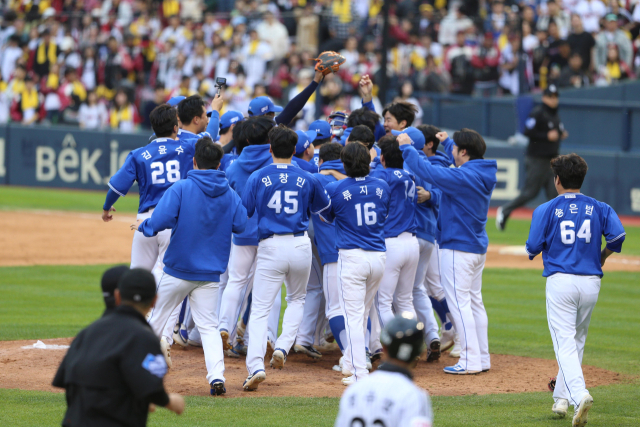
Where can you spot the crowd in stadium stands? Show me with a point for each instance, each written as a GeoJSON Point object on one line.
{"type": "Point", "coordinates": [107, 64]}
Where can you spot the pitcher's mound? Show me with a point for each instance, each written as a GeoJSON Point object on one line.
{"type": "Point", "coordinates": [33, 369]}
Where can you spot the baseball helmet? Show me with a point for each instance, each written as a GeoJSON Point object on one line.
{"type": "Point", "coordinates": [338, 122]}
{"type": "Point", "coordinates": [403, 337]}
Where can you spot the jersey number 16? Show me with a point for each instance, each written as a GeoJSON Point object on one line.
{"type": "Point", "coordinates": [568, 234]}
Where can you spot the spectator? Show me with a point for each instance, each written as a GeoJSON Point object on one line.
{"type": "Point", "coordinates": [28, 103]}
{"type": "Point", "coordinates": [274, 33]}
{"type": "Point", "coordinates": [615, 69]}
{"type": "Point", "coordinates": [498, 18]}
{"type": "Point", "coordinates": [485, 61]}
{"type": "Point", "coordinates": [406, 95]}
{"type": "Point", "coordinates": [45, 54]}
{"type": "Point", "coordinates": [10, 55]}
{"type": "Point", "coordinates": [254, 57]}
{"type": "Point", "coordinates": [573, 75]}
{"type": "Point", "coordinates": [612, 35]}
{"type": "Point", "coordinates": [458, 64]}
{"type": "Point", "coordinates": [434, 78]}
{"type": "Point", "coordinates": [452, 24]}
{"type": "Point", "coordinates": [591, 11]}
{"type": "Point", "coordinates": [557, 15]}
{"type": "Point", "coordinates": [529, 40]}
{"type": "Point", "coordinates": [351, 54]}
{"type": "Point", "coordinates": [581, 42]}
{"type": "Point", "coordinates": [123, 116]}
{"type": "Point", "coordinates": [72, 91]}
{"type": "Point", "coordinates": [49, 86]}
{"type": "Point", "coordinates": [92, 114]}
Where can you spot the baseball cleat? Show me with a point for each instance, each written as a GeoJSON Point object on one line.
{"type": "Point", "coordinates": [501, 220]}
{"type": "Point", "coordinates": [194, 343]}
{"type": "Point", "coordinates": [180, 335]}
{"type": "Point", "coordinates": [224, 334]}
{"type": "Point", "coordinates": [241, 349]}
{"type": "Point", "coordinates": [458, 370]}
{"type": "Point", "coordinates": [240, 328]}
{"type": "Point", "coordinates": [231, 353]}
{"type": "Point", "coordinates": [448, 336]}
{"type": "Point", "coordinates": [308, 350]}
{"type": "Point", "coordinates": [278, 358]}
{"type": "Point", "coordinates": [369, 364]}
{"type": "Point", "coordinates": [252, 381]}
{"type": "Point", "coordinates": [377, 355]}
{"type": "Point", "coordinates": [433, 351]}
{"type": "Point", "coordinates": [455, 351]}
{"type": "Point", "coordinates": [217, 388]}
{"type": "Point", "coordinates": [349, 380]}
{"type": "Point", "coordinates": [166, 351]}
{"type": "Point", "coordinates": [328, 337]}
{"type": "Point", "coordinates": [580, 416]}
{"type": "Point", "coordinates": [326, 346]}
{"type": "Point", "coordinates": [560, 407]}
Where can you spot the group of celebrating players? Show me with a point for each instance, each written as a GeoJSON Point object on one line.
{"type": "Point", "coordinates": [359, 220]}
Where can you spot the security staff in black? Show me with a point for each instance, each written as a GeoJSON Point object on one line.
{"type": "Point", "coordinates": [545, 131]}
{"type": "Point", "coordinates": [114, 368]}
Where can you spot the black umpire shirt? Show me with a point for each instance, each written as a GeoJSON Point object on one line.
{"type": "Point", "coordinates": [541, 120]}
{"type": "Point", "coordinates": [112, 371]}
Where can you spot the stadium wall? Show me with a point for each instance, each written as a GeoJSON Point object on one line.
{"type": "Point", "coordinates": [60, 157]}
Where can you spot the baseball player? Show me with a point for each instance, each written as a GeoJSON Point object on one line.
{"type": "Point", "coordinates": [466, 191]}
{"type": "Point", "coordinates": [360, 204]}
{"type": "Point", "coordinates": [405, 252]}
{"type": "Point", "coordinates": [155, 167]}
{"type": "Point", "coordinates": [323, 128]}
{"type": "Point", "coordinates": [567, 230]}
{"type": "Point", "coordinates": [201, 212]}
{"type": "Point", "coordinates": [305, 150]}
{"type": "Point", "coordinates": [228, 122]}
{"type": "Point", "coordinates": [281, 196]}
{"type": "Point", "coordinates": [338, 122]}
{"type": "Point", "coordinates": [388, 397]}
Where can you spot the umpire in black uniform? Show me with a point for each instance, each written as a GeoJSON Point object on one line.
{"type": "Point", "coordinates": [114, 368]}
{"type": "Point", "coordinates": [545, 131]}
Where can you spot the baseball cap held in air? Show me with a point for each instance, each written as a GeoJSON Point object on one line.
{"type": "Point", "coordinates": [262, 105]}
{"type": "Point", "coordinates": [417, 137]}
{"type": "Point", "coordinates": [304, 140]}
{"type": "Point", "coordinates": [229, 118]}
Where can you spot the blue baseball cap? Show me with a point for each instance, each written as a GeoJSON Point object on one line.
{"type": "Point", "coordinates": [176, 100]}
{"type": "Point", "coordinates": [322, 127]}
{"type": "Point", "coordinates": [262, 105]}
{"type": "Point", "coordinates": [417, 137]}
{"type": "Point", "coordinates": [229, 118]}
{"type": "Point", "coordinates": [304, 140]}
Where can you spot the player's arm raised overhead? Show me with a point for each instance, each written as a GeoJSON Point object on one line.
{"type": "Point", "coordinates": [213, 127]}
{"type": "Point", "coordinates": [165, 215]}
{"type": "Point", "coordinates": [297, 103]}
{"type": "Point", "coordinates": [119, 186]}
{"type": "Point", "coordinates": [447, 145]}
{"type": "Point", "coordinates": [366, 90]}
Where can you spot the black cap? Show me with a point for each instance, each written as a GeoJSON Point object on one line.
{"type": "Point", "coordinates": [137, 285]}
{"type": "Point", "coordinates": [110, 280]}
{"type": "Point", "coordinates": [403, 337]}
{"type": "Point", "coordinates": [551, 90]}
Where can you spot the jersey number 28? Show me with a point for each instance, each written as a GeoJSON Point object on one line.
{"type": "Point", "coordinates": [173, 172]}
{"type": "Point", "coordinates": [568, 234]}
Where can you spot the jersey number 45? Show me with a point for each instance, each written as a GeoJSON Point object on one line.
{"type": "Point", "coordinates": [289, 197]}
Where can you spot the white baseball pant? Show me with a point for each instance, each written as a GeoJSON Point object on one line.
{"type": "Point", "coordinates": [203, 298]}
{"type": "Point", "coordinates": [192, 330]}
{"type": "Point", "coordinates": [396, 285]}
{"type": "Point", "coordinates": [461, 275]}
{"type": "Point", "coordinates": [312, 305]}
{"type": "Point", "coordinates": [331, 290]}
{"type": "Point", "coordinates": [359, 275]}
{"type": "Point", "coordinates": [148, 252]}
{"type": "Point", "coordinates": [421, 302]}
{"type": "Point", "coordinates": [280, 258]}
{"type": "Point", "coordinates": [241, 271]}
{"type": "Point", "coordinates": [432, 278]}
{"type": "Point", "coordinates": [570, 302]}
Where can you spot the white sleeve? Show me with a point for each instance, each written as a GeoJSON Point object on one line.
{"type": "Point", "coordinates": [416, 410]}
{"type": "Point", "coordinates": [344, 417]}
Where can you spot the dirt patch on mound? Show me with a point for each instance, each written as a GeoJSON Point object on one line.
{"type": "Point", "coordinates": [33, 369]}
{"type": "Point", "coordinates": [72, 238]}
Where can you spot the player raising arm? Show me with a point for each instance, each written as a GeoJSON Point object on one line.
{"type": "Point", "coordinates": [567, 231]}
{"type": "Point", "coordinates": [155, 167]}
{"type": "Point", "coordinates": [281, 195]}
{"type": "Point", "coordinates": [466, 191]}
{"type": "Point", "coordinates": [360, 204]}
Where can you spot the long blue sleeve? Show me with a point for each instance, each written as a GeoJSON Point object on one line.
{"type": "Point", "coordinates": [613, 230]}
{"type": "Point", "coordinates": [321, 203]}
{"type": "Point", "coordinates": [436, 196]}
{"type": "Point", "coordinates": [239, 218]}
{"type": "Point", "coordinates": [165, 215]}
{"type": "Point", "coordinates": [379, 131]}
{"type": "Point", "coordinates": [248, 196]}
{"type": "Point", "coordinates": [296, 105]}
{"type": "Point", "coordinates": [214, 125]}
{"type": "Point", "coordinates": [448, 144]}
{"type": "Point", "coordinates": [537, 232]}
{"type": "Point", "coordinates": [447, 179]}
{"type": "Point", "coordinates": [112, 198]}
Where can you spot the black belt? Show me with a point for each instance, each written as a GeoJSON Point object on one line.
{"type": "Point", "coordinates": [294, 235]}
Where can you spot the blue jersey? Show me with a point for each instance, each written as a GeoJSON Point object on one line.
{"type": "Point", "coordinates": [316, 158]}
{"type": "Point", "coordinates": [325, 233]}
{"type": "Point", "coordinates": [304, 165]}
{"type": "Point", "coordinates": [402, 207]}
{"type": "Point", "coordinates": [567, 231]}
{"type": "Point", "coordinates": [191, 138]}
{"type": "Point", "coordinates": [155, 167]}
{"type": "Point", "coordinates": [228, 159]}
{"type": "Point", "coordinates": [360, 206]}
{"type": "Point", "coordinates": [282, 195]}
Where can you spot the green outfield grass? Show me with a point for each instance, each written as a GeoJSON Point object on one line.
{"type": "Point", "coordinates": [48, 302]}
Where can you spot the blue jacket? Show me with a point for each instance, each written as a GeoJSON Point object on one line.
{"type": "Point", "coordinates": [325, 233]}
{"type": "Point", "coordinates": [466, 192]}
{"type": "Point", "coordinates": [252, 158]}
{"type": "Point", "coordinates": [201, 212]}
{"type": "Point", "coordinates": [310, 167]}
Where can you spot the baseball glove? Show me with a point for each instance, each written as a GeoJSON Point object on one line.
{"type": "Point", "coordinates": [329, 62]}
{"type": "Point", "coordinates": [552, 384]}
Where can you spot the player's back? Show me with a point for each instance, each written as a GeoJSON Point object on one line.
{"type": "Point", "coordinates": [155, 167]}
{"type": "Point", "coordinates": [403, 203]}
{"type": "Point", "coordinates": [325, 233]}
{"type": "Point", "coordinates": [282, 196]}
{"type": "Point", "coordinates": [384, 398]}
{"type": "Point", "coordinates": [360, 206]}
{"type": "Point", "coordinates": [568, 231]}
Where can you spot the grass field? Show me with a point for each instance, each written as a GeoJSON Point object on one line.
{"type": "Point", "coordinates": [57, 301]}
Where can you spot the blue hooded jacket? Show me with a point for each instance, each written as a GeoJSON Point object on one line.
{"type": "Point", "coordinates": [201, 212]}
{"type": "Point", "coordinates": [466, 192]}
{"type": "Point", "coordinates": [252, 158]}
{"type": "Point", "coordinates": [325, 233]}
